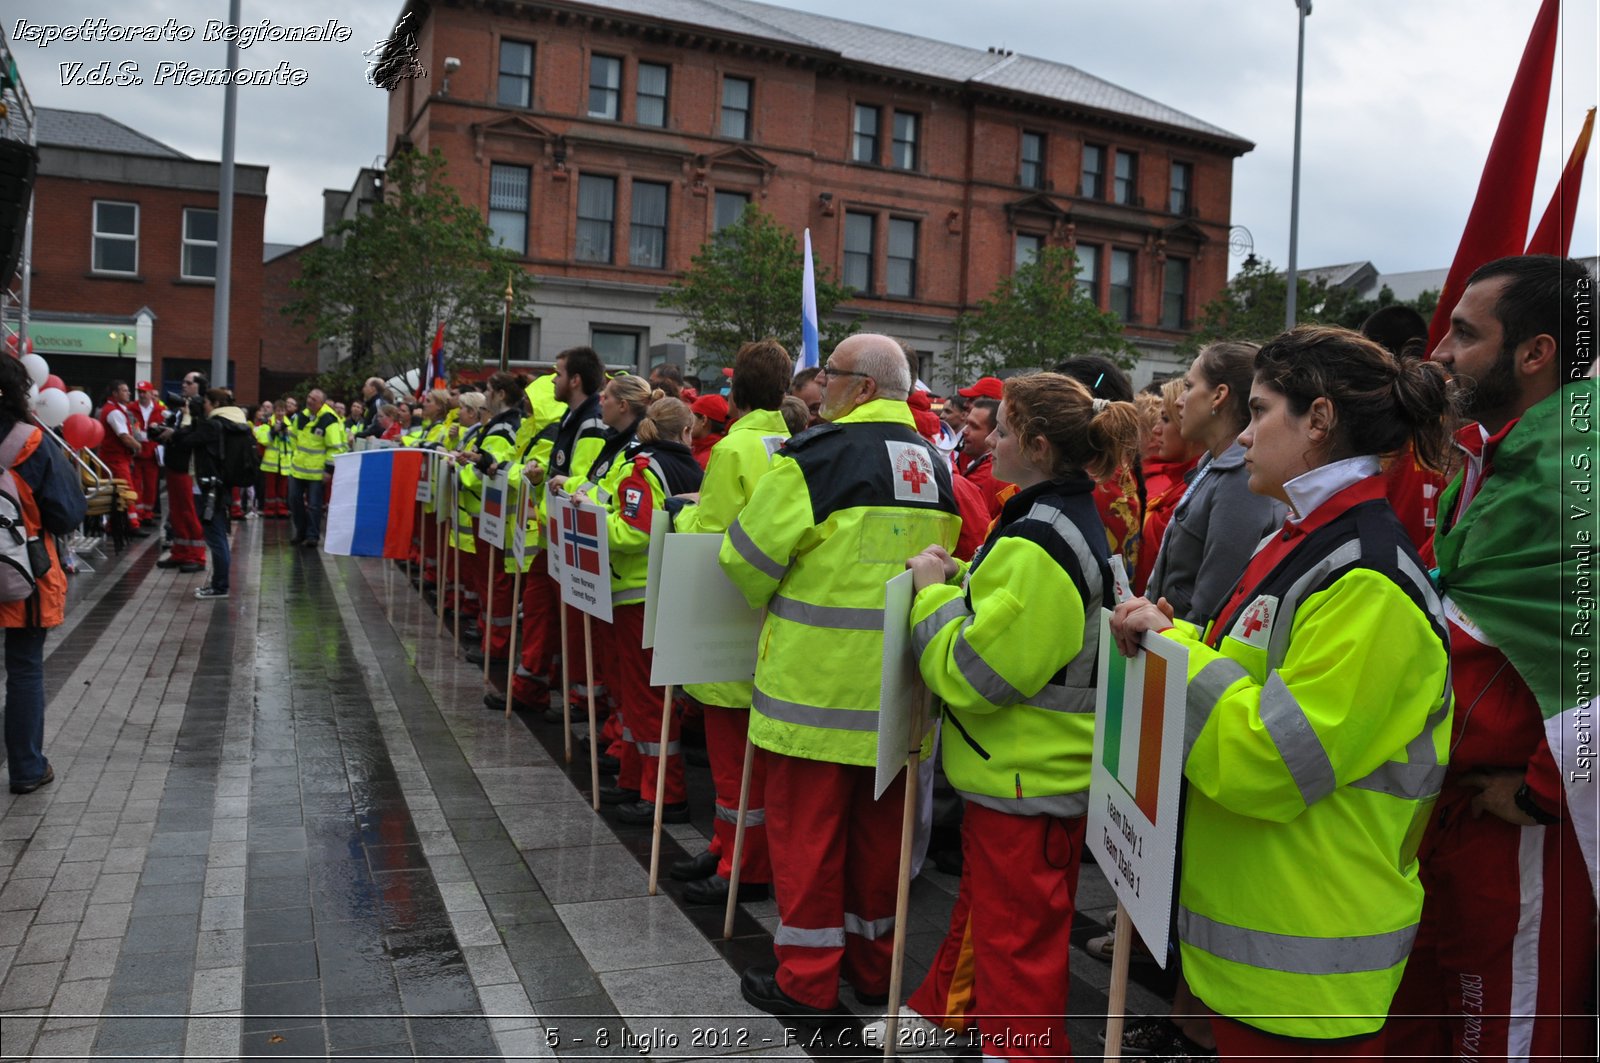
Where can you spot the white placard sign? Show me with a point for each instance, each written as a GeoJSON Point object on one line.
{"type": "Point", "coordinates": [585, 559]}
{"type": "Point", "coordinates": [444, 495]}
{"type": "Point", "coordinates": [519, 536]}
{"type": "Point", "coordinates": [425, 482]}
{"type": "Point", "coordinates": [554, 503]}
{"type": "Point", "coordinates": [1136, 776]}
{"type": "Point", "coordinates": [660, 525]}
{"type": "Point", "coordinates": [902, 687]}
{"type": "Point", "coordinates": [705, 630]}
{"type": "Point", "coordinates": [492, 512]}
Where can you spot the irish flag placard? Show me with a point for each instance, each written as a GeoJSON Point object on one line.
{"type": "Point", "coordinates": [1136, 776]}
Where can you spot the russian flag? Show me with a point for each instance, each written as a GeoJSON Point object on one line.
{"type": "Point", "coordinates": [374, 502]}
{"type": "Point", "coordinates": [493, 503]}
{"type": "Point", "coordinates": [810, 356]}
{"type": "Point", "coordinates": [436, 359]}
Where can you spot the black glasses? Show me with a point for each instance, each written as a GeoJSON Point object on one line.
{"type": "Point", "coordinates": [830, 371]}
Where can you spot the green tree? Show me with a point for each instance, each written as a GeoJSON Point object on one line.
{"type": "Point", "coordinates": [1253, 304]}
{"type": "Point", "coordinates": [745, 284]}
{"type": "Point", "coordinates": [388, 277]}
{"type": "Point", "coordinates": [1036, 318]}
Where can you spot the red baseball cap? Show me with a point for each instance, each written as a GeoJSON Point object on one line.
{"type": "Point", "coordinates": [145, 385]}
{"type": "Point", "coordinates": [711, 407]}
{"type": "Point", "coordinates": [987, 387]}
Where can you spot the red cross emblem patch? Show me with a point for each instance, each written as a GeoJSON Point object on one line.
{"type": "Point", "coordinates": [1254, 626]}
{"type": "Point", "coordinates": [913, 473]}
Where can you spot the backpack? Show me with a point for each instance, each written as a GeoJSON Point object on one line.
{"type": "Point", "coordinates": [20, 546]}
{"type": "Point", "coordinates": [240, 462]}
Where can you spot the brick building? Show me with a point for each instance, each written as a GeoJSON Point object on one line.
{"type": "Point", "coordinates": [125, 257]}
{"type": "Point", "coordinates": [605, 141]}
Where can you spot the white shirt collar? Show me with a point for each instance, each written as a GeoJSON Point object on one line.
{"type": "Point", "coordinates": [1309, 490]}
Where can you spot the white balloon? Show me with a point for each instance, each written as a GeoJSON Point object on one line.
{"type": "Point", "coordinates": [37, 367]}
{"type": "Point", "coordinates": [79, 402]}
{"type": "Point", "coordinates": [52, 407]}
{"type": "Point", "coordinates": [33, 395]}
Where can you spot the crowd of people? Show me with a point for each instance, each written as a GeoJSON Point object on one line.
{"type": "Point", "coordinates": [1357, 546]}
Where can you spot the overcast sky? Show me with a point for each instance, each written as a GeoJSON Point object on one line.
{"type": "Point", "coordinates": [1402, 98]}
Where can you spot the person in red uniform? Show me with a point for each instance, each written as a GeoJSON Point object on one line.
{"type": "Point", "coordinates": [710, 425]}
{"type": "Point", "coordinates": [974, 460]}
{"type": "Point", "coordinates": [146, 413]}
{"type": "Point", "coordinates": [1165, 478]}
{"type": "Point", "coordinates": [1504, 963]}
{"type": "Point", "coordinates": [188, 539]}
{"type": "Point", "coordinates": [119, 447]}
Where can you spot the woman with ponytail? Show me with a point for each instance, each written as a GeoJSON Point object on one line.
{"type": "Point", "coordinates": [1318, 714]}
{"type": "Point", "coordinates": [635, 484]}
{"type": "Point", "coordinates": [1009, 643]}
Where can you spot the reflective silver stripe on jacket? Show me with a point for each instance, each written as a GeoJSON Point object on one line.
{"type": "Point", "coordinates": [747, 549]}
{"type": "Point", "coordinates": [1297, 741]}
{"type": "Point", "coordinates": [990, 684]}
{"type": "Point", "coordinates": [933, 623]}
{"type": "Point", "coordinates": [815, 716]}
{"type": "Point", "coordinates": [753, 817]}
{"type": "Point", "coordinates": [1289, 604]}
{"type": "Point", "coordinates": [1080, 670]}
{"type": "Point", "coordinates": [827, 937]}
{"type": "Point", "coordinates": [835, 616]}
{"type": "Point", "coordinates": [1064, 806]}
{"type": "Point", "coordinates": [1063, 699]}
{"type": "Point", "coordinates": [627, 596]}
{"type": "Point", "coordinates": [1421, 775]}
{"type": "Point", "coordinates": [1292, 953]}
{"type": "Point", "coordinates": [653, 749]}
{"type": "Point", "coordinates": [871, 929]}
{"type": "Point", "coordinates": [1205, 690]}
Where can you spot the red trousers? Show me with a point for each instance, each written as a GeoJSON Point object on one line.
{"type": "Point", "coordinates": [835, 882]}
{"type": "Point", "coordinates": [499, 607]}
{"type": "Point", "coordinates": [276, 501]}
{"type": "Point", "coordinates": [1010, 934]}
{"type": "Point", "coordinates": [188, 540]}
{"type": "Point", "coordinates": [1235, 1040]}
{"type": "Point", "coordinates": [726, 729]}
{"type": "Point", "coordinates": [147, 481]}
{"type": "Point", "coordinates": [1504, 962]}
{"type": "Point", "coordinates": [640, 704]}
{"type": "Point", "coordinates": [472, 577]}
{"type": "Point", "coordinates": [539, 653]}
{"type": "Point", "coordinates": [604, 659]}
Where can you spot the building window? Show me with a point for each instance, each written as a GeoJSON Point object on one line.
{"type": "Point", "coordinates": [647, 231]}
{"type": "Point", "coordinates": [858, 239]}
{"type": "Point", "coordinates": [1032, 173]}
{"type": "Point", "coordinates": [116, 237]}
{"type": "Point", "coordinates": [1093, 183]}
{"type": "Point", "coordinates": [1088, 257]}
{"type": "Point", "coordinates": [864, 146]}
{"type": "Point", "coordinates": [1027, 250]}
{"type": "Point", "coordinates": [650, 99]}
{"type": "Point", "coordinates": [522, 343]}
{"type": "Point", "coordinates": [597, 212]}
{"type": "Point", "coordinates": [902, 275]}
{"type": "Point", "coordinates": [616, 346]}
{"type": "Point", "coordinates": [1122, 283]}
{"type": "Point", "coordinates": [736, 108]}
{"type": "Point", "coordinates": [1182, 181]}
{"type": "Point", "coordinates": [1123, 190]}
{"type": "Point", "coordinates": [516, 74]}
{"type": "Point", "coordinates": [200, 244]}
{"type": "Point", "coordinates": [605, 86]}
{"type": "Point", "coordinates": [729, 208]}
{"type": "Point", "coordinates": [508, 206]}
{"type": "Point", "coordinates": [1175, 293]}
{"type": "Point", "coordinates": [903, 151]}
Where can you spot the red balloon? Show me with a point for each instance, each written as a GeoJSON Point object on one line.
{"type": "Point", "coordinates": [53, 381]}
{"type": "Point", "coordinates": [80, 430]}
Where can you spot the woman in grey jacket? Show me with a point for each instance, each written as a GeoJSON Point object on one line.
{"type": "Point", "coordinates": [1220, 522]}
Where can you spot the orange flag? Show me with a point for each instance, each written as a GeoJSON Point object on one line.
{"type": "Point", "coordinates": [1554, 234]}
{"type": "Point", "coordinates": [1498, 224]}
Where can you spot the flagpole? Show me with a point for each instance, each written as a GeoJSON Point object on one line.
{"type": "Point", "coordinates": [505, 328]}
{"type": "Point", "coordinates": [488, 612]}
{"type": "Point", "coordinates": [1117, 993]}
{"type": "Point", "coordinates": [902, 901]}
{"type": "Point", "coordinates": [738, 836]}
{"type": "Point", "coordinates": [661, 786]}
{"type": "Point", "coordinates": [566, 680]}
{"type": "Point", "coordinates": [516, 600]}
{"type": "Point", "coordinates": [594, 734]}
{"type": "Point", "coordinates": [1290, 309]}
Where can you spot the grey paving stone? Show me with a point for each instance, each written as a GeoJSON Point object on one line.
{"type": "Point", "coordinates": [94, 824]}
{"type": "Point", "coordinates": [30, 985]}
{"type": "Point", "coordinates": [222, 913]}
{"type": "Point", "coordinates": [64, 906]}
{"type": "Point", "coordinates": [219, 948]}
{"type": "Point", "coordinates": [64, 1043]}
{"type": "Point", "coordinates": [47, 942]}
{"type": "Point", "coordinates": [227, 852]}
{"type": "Point", "coordinates": [289, 962]}
{"type": "Point", "coordinates": [453, 1036]}
{"type": "Point", "coordinates": [94, 959]}
{"type": "Point", "coordinates": [277, 926]}
{"type": "Point", "coordinates": [180, 843]}
{"type": "Point", "coordinates": [213, 1037]}
{"type": "Point", "coordinates": [364, 1028]}
{"type": "Point", "coordinates": [153, 1036]}
{"type": "Point", "coordinates": [507, 1005]}
{"type": "Point", "coordinates": [282, 1006]}
{"type": "Point", "coordinates": [461, 897]}
{"type": "Point", "coordinates": [595, 872]}
{"type": "Point", "coordinates": [154, 973]}
{"type": "Point", "coordinates": [180, 898]}
{"type": "Point", "coordinates": [40, 863]}
{"type": "Point", "coordinates": [104, 920]}
{"type": "Point", "coordinates": [23, 893]}
{"type": "Point", "coordinates": [151, 934]}
{"type": "Point", "coordinates": [693, 992]}
{"type": "Point", "coordinates": [88, 848]}
{"type": "Point", "coordinates": [20, 1029]}
{"type": "Point", "coordinates": [14, 926]}
{"type": "Point", "coordinates": [113, 889]}
{"type": "Point", "coordinates": [78, 1004]}
{"type": "Point", "coordinates": [489, 964]}
{"type": "Point", "coordinates": [621, 934]}
{"type": "Point", "coordinates": [475, 928]}
{"type": "Point", "coordinates": [515, 909]}
{"type": "Point", "coordinates": [224, 881]}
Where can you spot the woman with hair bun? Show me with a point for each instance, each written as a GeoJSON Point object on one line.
{"type": "Point", "coordinates": [632, 486]}
{"type": "Point", "coordinates": [1009, 643]}
{"type": "Point", "coordinates": [1318, 714]}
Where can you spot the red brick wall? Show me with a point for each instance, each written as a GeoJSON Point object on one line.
{"type": "Point", "coordinates": [63, 279]}
{"type": "Point", "coordinates": [966, 174]}
{"type": "Point", "coordinates": [284, 346]}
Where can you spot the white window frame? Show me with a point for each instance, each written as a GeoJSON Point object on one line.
{"type": "Point", "coordinates": [96, 235]}
{"type": "Point", "coordinates": [187, 242]}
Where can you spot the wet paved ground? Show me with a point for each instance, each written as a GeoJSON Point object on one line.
{"type": "Point", "coordinates": [284, 825]}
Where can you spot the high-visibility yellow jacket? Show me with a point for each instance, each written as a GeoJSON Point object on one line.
{"type": "Point", "coordinates": [843, 507]}
{"type": "Point", "coordinates": [464, 529]}
{"type": "Point", "coordinates": [1319, 730]}
{"type": "Point", "coordinates": [534, 442]}
{"type": "Point", "coordinates": [632, 488]}
{"type": "Point", "coordinates": [270, 454]}
{"type": "Point", "coordinates": [494, 438]}
{"type": "Point", "coordinates": [317, 439]}
{"type": "Point", "coordinates": [1011, 646]}
{"type": "Point", "coordinates": [738, 460]}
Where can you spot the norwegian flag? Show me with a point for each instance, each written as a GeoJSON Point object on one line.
{"type": "Point", "coordinates": [580, 540]}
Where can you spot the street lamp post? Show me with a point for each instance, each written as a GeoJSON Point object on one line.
{"type": "Point", "coordinates": [1294, 184]}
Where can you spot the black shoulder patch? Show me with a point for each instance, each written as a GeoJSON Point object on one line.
{"type": "Point", "coordinates": [809, 436]}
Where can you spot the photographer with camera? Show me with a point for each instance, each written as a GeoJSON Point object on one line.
{"type": "Point", "coordinates": [218, 445]}
{"type": "Point", "coordinates": [188, 545]}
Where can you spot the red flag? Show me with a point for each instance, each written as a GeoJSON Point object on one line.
{"type": "Point", "coordinates": [1554, 234]}
{"type": "Point", "coordinates": [1498, 224]}
{"type": "Point", "coordinates": [436, 358]}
